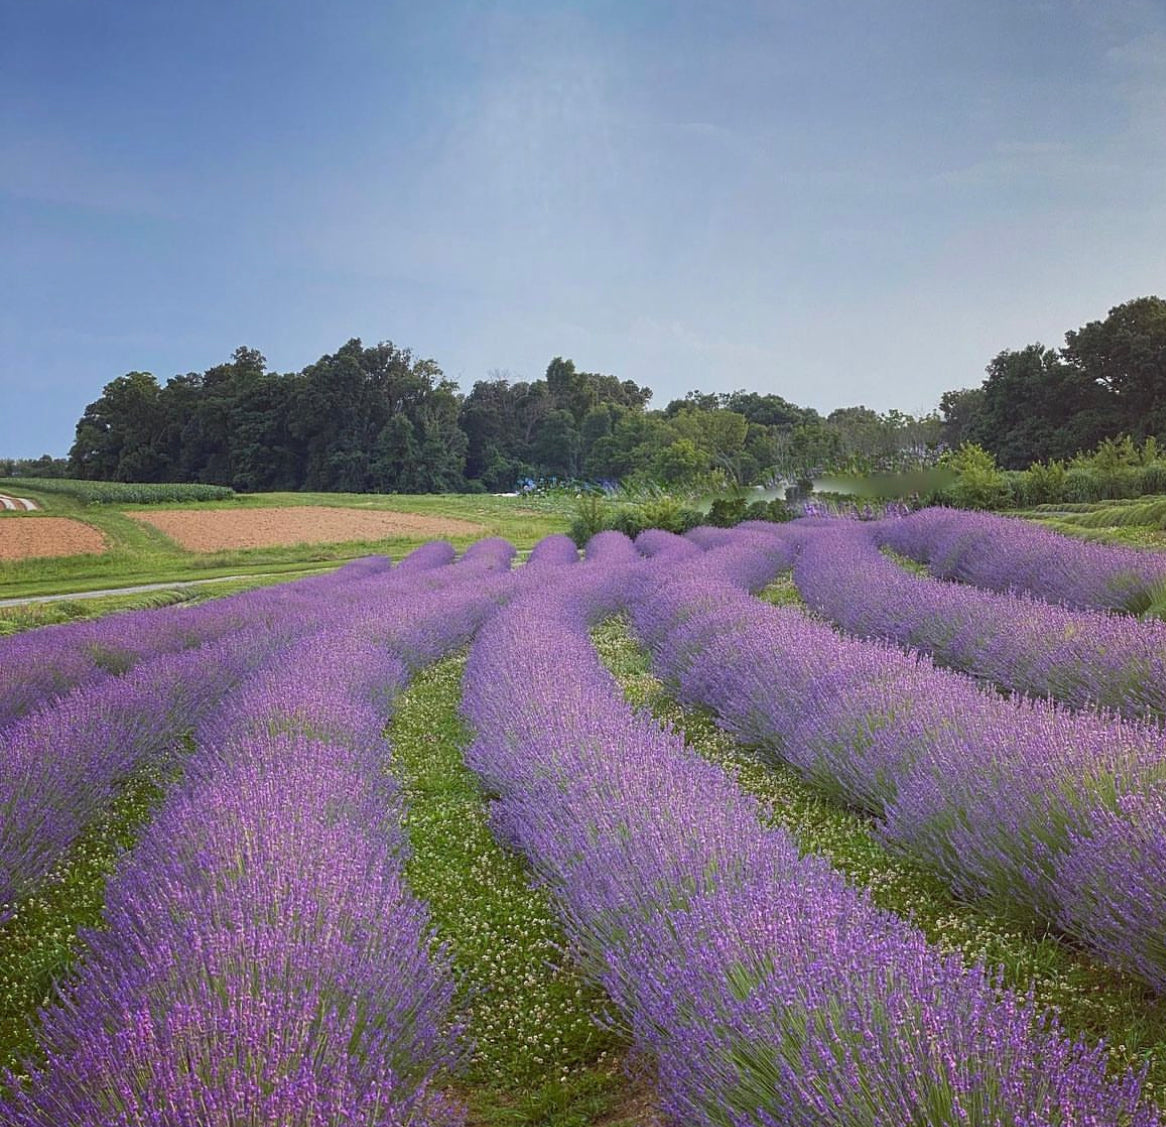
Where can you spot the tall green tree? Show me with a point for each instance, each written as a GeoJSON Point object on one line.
{"type": "Point", "coordinates": [118, 437]}
{"type": "Point", "coordinates": [1126, 356]}
{"type": "Point", "coordinates": [1036, 407]}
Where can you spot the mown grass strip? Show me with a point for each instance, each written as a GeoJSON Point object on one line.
{"type": "Point", "coordinates": [1092, 1000]}
{"type": "Point", "coordinates": [540, 1056]}
{"type": "Point", "coordinates": [39, 943]}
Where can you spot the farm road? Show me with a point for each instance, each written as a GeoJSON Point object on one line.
{"type": "Point", "coordinates": [122, 590]}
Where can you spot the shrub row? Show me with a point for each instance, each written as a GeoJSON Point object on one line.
{"type": "Point", "coordinates": [764, 987]}
{"type": "Point", "coordinates": [1083, 658]}
{"type": "Point", "coordinates": [121, 492]}
{"type": "Point", "coordinates": [1057, 817]}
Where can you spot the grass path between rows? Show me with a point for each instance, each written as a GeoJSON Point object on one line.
{"type": "Point", "coordinates": [1092, 1000]}
{"type": "Point", "coordinates": [541, 1055]}
{"type": "Point", "coordinates": [39, 943]}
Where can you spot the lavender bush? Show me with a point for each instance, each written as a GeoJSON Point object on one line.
{"type": "Point", "coordinates": [1083, 658]}
{"type": "Point", "coordinates": [996, 794]}
{"type": "Point", "coordinates": [41, 665]}
{"type": "Point", "coordinates": [1010, 554]}
{"type": "Point", "coordinates": [261, 961]}
{"type": "Point", "coordinates": [767, 990]}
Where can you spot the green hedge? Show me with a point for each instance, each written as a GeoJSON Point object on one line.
{"type": "Point", "coordinates": [118, 492]}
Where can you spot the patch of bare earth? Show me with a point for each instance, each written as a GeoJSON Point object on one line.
{"type": "Point", "coordinates": [211, 530]}
{"type": "Point", "coordinates": [23, 538]}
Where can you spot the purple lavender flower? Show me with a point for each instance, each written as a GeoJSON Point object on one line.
{"type": "Point", "coordinates": [766, 989]}
{"type": "Point", "coordinates": [1010, 554]}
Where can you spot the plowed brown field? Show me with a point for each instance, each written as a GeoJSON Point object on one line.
{"type": "Point", "coordinates": [210, 530]}
{"type": "Point", "coordinates": [23, 538]}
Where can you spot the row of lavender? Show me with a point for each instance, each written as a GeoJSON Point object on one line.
{"type": "Point", "coordinates": [796, 990]}
{"type": "Point", "coordinates": [261, 960]}
{"type": "Point", "coordinates": [62, 761]}
{"type": "Point", "coordinates": [1009, 554]}
{"type": "Point", "coordinates": [41, 665]}
{"type": "Point", "coordinates": [767, 990]}
{"type": "Point", "coordinates": [1083, 658]}
{"type": "Point", "coordinates": [1058, 815]}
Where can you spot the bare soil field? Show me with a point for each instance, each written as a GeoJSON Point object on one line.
{"type": "Point", "coordinates": [213, 530]}
{"type": "Point", "coordinates": [28, 538]}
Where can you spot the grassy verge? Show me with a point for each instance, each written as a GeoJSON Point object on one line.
{"type": "Point", "coordinates": [540, 1057]}
{"type": "Point", "coordinates": [1091, 1000]}
{"type": "Point", "coordinates": [39, 943]}
{"type": "Point", "coordinates": [139, 553]}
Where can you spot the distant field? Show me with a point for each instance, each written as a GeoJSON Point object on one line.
{"type": "Point", "coordinates": [119, 492]}
{"type": "Point", "coordinates": [310, 524]}
{"type": "Point", "coordinates": [138, 551]}
{"type": "Point", "coordinates": [30, 537]}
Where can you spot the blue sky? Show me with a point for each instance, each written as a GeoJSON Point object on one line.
{"type": "Point", "coordinates": [841, 203]}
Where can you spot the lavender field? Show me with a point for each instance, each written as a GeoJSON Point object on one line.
{"type": "Point", "coordinates": [831, 822]}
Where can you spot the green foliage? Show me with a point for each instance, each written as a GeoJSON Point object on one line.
{"type": "Point", "coordinates": [593, 514]}
{"type": "Point", "coordinates": [44, 466]}
{"type": "Point", "coordinates": [1039, 404]}
{"type": "Point", "coordinates": [123, 493]}
{"type": "Point", "coordinates": [669, 513]}
{"type": "Point", "coordinates": [774, 510]}
{"type": "Point", "coordinates": [1041, 484]}
{"type": "Point", "coordinates": [1118, 469]}
{"type": "Point", "coordinates": [591, 518]}
{"type": "Point", "coordinates": [659, 509]}
{"type": "Point", "coordinates": [979, 483]}
{"type": "Point", "coordinates": [725, 512]}
{"type": "Point", "coordinates": [1126, 356]}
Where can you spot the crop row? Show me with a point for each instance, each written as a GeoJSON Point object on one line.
{"type": "Point", "coordinates": [41, 665]}
{"type": "Point", "coordinates": [764, 987]}
{"type": "Point", "coordinates": [1057, 816]}
{"type": "Point", "coordinates": [63, 760]}
{"type": "Point", "coordinates": [261, 959]}
{"type": "Point", "coordinates": [1080, 657]}
{"type": "Point", "coordinates": [121, 492]}
{"type": "Point", "coordinates": [1009, 554]}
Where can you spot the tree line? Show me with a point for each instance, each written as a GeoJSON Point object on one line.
{"type": "Point", "coordinates": [1041, 404]}
{"type": "Point", "coordinates": [379, 419]}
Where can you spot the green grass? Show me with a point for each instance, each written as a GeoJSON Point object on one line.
{"type": "Point", "coordinates": [540, 1056]}
{"type": "Point", "coordinates": [139, 553]}
{"type": "Point", "coordinates": [1091, 1000]}
{"type": "Point", "coordinates": [39, 944]}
